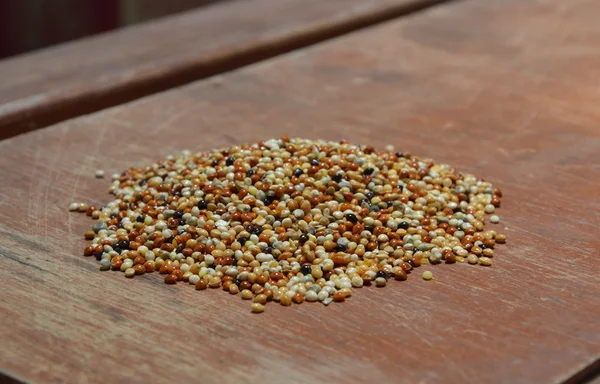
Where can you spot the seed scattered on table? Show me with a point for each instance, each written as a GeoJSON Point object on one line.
{"type": "Point", "coordinates": [495, 219]}
{"type": "Point", "coordinates": [99, 173]}
{"type": "Point", "coordinates": [292, 220]}
{"type": "Point", "coordinates": [74, 207]}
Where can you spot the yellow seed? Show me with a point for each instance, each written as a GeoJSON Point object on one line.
{"type": "Point", "coordinates": [257, 307]}
{"type": "Point", "coordinates": [261, 299]}
{"type": "Point", "coordinates": [486, 261]}
{"type": "Point", "coordinates": [247, 294]}
{"type": "Point", "coordinates": [427, 275]}
{"type": "Point", "coordinates": [285, 300]}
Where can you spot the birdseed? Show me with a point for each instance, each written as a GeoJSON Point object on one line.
{"type": "Point", "coordinates": [292, 220]}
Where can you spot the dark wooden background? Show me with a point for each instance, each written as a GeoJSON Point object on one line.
{"type": "Point", "coordinates": [26, 25]}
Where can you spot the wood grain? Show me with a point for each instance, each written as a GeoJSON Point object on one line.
{"type": "Point", "coordinates": [502, 88]}
{"type": "Point", "coordinates": [73, 79]}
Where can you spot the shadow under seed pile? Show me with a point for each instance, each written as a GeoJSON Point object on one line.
{"type": "Point", "coordinates": [292, 220]}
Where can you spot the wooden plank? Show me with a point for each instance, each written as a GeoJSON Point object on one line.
{"type": "Point", "coordinates": [73, 79]}
{"type": "Point", "coordinates": [502, 88]}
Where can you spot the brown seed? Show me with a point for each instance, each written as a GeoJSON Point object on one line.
{"type": "Point", "coordinates": [201, 284]}
{"type": "Point", "coordinates": [401, 274]}
{"type": "Point", "coordinates": [149, 266]}
{"type": "Point", "coordinates": [500, 238]}
{"type": "Point", "coordinates": [116, 265]}
{"type": "Point", "coordinates": [298, 298]}
{"type": "Point", "coordinates": [170, 279]}
{"type": "Point", "coordinates": [262, 278]}
{"type": "Point", "coordinates": [245, 285]}
{"type": "Point", "coordinates": [139, 269]}
{"type": "Point", "coordinates": [179, 274]}
{"type": "Point", "coordinates": [339, 297]}
{"type": "Point", "coordinates": [89, 235]}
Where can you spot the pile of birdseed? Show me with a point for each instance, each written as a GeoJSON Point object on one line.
{"type": "Point", "coordinates": [292, 220]}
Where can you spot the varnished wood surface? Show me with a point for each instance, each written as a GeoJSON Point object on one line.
{"type": "Point", "coordinates": [73, 79]}
{"type": "Point", "coordinates": [505, 89]}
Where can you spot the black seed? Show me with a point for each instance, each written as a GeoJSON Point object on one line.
{"type": "Point", "coordinates": [202, 204]}
{"type": "Point", "coordinates": [229, 161]}
{"type": "Point", "coordinates": [181, 222]}
{"type": "Point", "coordinates": [181, 231]}
{"type": "Point", "coordinates": [399, 154]}
{"type": "Point", "coordinates": [305, 269]}
{"type": "Point", "coordinates": [339, 248]}
{"type": "Point", "coordinates": [303, 238]}
{"type": "Point", "coordinates": [351, 217]}
{"type": "Point", "coordinates": [257, 230]}
{"type": "Point", "coordinates": [403, 225]}
{"type": "Point", "coordinates": [269, 200]}
{"type": "Point", "coordinates": [215, 163]}
{"type": "Point", "coordinates": [249, 228]}
{"type": "Point", "coordinates": [268, 250]}
{"type": "Point", "coordinates": [298, 172]}
{"type": "Point", "coordinates": [249, 173]}
{"type": "Point", "coordinates": [369, 228]}
{"type": "Point", "coordinates": [381, 274]}
{"type": "Point", "coordinates": [234, 261]}
{"type": "Point", "coordinates": [99, 255]}
{"type": "Point", "coordinates": [411, 262]}
{"type": "Point", "coordinates": [401, 188]}
{"type": "Point", "coordinates": [123, 244]}
{"type": "Point", "coordinates": [242, 240]}
{"type": "Point", "coordinates": [143, 182]}
{"type": "Point", "coordinates": [179, 248]}
{"type": "Point", "coordinates": [337, 177]}
{"type": "Point", "coordinates": [314, 162]}
{"type": "Point", "coordinates": [139, 219]}
{"type": "Point", "coordinates": [113, 215]}
{"type": "Point", "coordinates": [178, 214]}
{"type": "Point", "coordinates": [369, 195]}
{"type": "Point", "coordinates": [482, 246]}
{"type": "Point", "coordinates": [237, 281]}
{"type": "Point", "coordinates": [368, 171]}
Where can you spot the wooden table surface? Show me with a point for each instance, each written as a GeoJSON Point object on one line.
{"type": "Point", "coordinates": [504, 89]}
{"type": "Point", "coordinates": [54, 84]}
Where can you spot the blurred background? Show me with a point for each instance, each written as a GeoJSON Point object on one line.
{"type": "Point", "coordinates": [26, 25]}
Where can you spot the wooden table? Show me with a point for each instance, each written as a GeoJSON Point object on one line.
{"type": "Point", "coordinates": [505, 89]}
{"type": "Point", "coordinates": [51, 85]}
